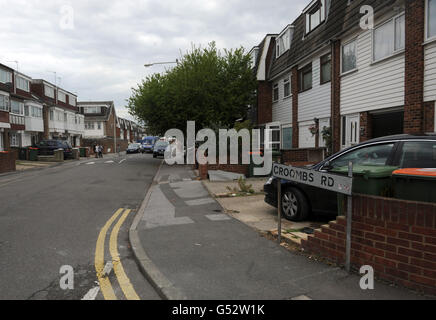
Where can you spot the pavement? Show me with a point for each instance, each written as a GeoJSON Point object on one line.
{"type": "Point", "coordinates": [63, 216]}
{"type": "Point", "coordinates": [189, 248]}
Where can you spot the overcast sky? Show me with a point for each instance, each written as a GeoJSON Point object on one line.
{"type": "Point", "coordinates": [98, 48]}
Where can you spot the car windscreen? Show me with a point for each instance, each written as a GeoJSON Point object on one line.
{"type": "Point", "coordinates": [134, 145]}
{"type": "Point", "coordinates": [161, 144]}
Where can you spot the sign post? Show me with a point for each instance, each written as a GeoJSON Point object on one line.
{"type": "Point", "coordinates": [336, 183]}
{"type": "Point", "coordinates": [279, 210]}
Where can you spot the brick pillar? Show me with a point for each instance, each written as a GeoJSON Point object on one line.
{"type": "Point", "coordinates": [294, 88]}
{"type": "Point", "coordinates": [46, 117]}
{"type": "Point", "coordinates": [365, 126]}
{"type": "Point", "coordinates": [414, 75]}
{"type": "Point", "coordinates": [264, 102]}
{"type": "Point", "coordinates": [336, 96]}
{"type": "Point", "coordinates": [317, 134]}
{"type": "Point", "coordinates": [6, 140]}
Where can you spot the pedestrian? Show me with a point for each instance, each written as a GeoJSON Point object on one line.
{"type": "Point", "coordinates": [96, 150]}
{"type": "Point", "coordinates": [100, 151]}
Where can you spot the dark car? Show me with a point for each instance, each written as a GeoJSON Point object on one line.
{"type": "Point", "coordinates": [159, 148]}
{"type": "Point", "coordinates": [404, 151]}
{"type": "Point", "coordinates": [47, 148]}
{"type": "Point", "coordinates": [134, 148]}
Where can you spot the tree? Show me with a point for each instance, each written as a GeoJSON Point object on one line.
{"type": "Point", "coordinates": [206, 86]}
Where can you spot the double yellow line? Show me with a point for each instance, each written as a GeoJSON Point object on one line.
{"type": "Point", "coordinates": [123, 280]}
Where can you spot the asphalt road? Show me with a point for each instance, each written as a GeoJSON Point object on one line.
{"type": "Point", "coordinates": [53, 217]}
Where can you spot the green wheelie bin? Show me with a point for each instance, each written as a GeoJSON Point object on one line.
{"type": "Point", "coordinates": [33, 154]}
{"type": "Point", "coordinates": [415, 184]}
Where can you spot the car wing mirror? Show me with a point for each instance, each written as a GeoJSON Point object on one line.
{"type": "Point", "coordinates": [327, 166]}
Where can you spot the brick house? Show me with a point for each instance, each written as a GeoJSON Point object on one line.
{"type": "Point", "coordinates": [328, 72]}
{"type": "Point", "coordinates": [6, 87]}
{"type": "Point", "coordinates": [60, 112]}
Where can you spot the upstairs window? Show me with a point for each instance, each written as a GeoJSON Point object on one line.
{"type": "Point", "coordinates": [62, 97]}
{"type": "Point", "coordinates": [254, 54]}
{"type": "Point", "coordinates": [349, 58]}
{"type": "Point", "coordinates": [326, 68]}
{"type": "Point", "coordinates": [287, 87]}
{"type": "Point", "coordinates": [92, 110]}
{"type": "Point", "coordinates": [17, 108]}
{"type": "Point", "coordinates": [4, 103]}
{"type": "Point", "coordinates": [431, 19]}
{"type": "Point", "coordinates": [276, 92]}
{"type": "Point", "coordinates": [389, 38]}
{"type": "Point", "coordinates": [23, 84]}
{"type": "Point", "coordinates": [305, 78]}
{"type": "Point", "coordinates": [283, 42]}
{"type": "Point", "coordinates": [36, 112]}
{"type": "Point", "coordinates": [316, 14]}
{"type": "Point", "coordinates": [49, 92]}
{"type": "Point", "coordinates": [5, 76]}
{"type": "Point", "coordinates": [72, 100]}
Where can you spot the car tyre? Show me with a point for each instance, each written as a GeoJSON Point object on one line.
{"type": "Point", "coordinates": [294, 205]}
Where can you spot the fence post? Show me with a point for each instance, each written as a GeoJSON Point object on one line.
{"type": "Point", "coordinates": [349, 221]}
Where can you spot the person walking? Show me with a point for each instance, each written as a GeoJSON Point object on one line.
{"type": "Point", "coordinates": [100, 151]}
{"type": "Point", "coordinates": [96, 150]}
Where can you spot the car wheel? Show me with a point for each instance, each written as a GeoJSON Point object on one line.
{"type": "Point", "coordinates": [294, 205]}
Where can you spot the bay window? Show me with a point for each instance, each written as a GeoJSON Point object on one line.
{"type": "Point", "coordinates": [4, 103]}
{"type": "Point", "coordinates": [17, 108]}
{"type": "Point", "coordinates": [349, 59]}
{"type": "Point", "coordinates": [5, 76]}
{"type": "Point", "coordinates": [389, 38]}
{"type": "Point", "coordinates": [23, 84]}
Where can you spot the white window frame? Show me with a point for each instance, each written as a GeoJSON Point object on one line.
{"type": "Point", "coordinates": [9, 78]}
{"type": "Point", "coordinates": [342, 56]}
{"type": "Point", "coordinates": [62, 96]}
{"type": "Point", "coordinates": [7, 104]}
{"type": "Point", "coordinates": [48, 90]}
{"type": "Point", "coordinates": [72, 98]}
{"type": "Point", "coordinates": [287, 81]}
{"type": "Point", "coordinates": [281, 46]}
{"type": "Point", "coordinates": [323, 14]}
{"type": "Point", "coordinates": [21, 107]}
{"type": "Point", "coordinates": [396, 51]}
{"type": "Point", "coordinates": [15, 139]}
{"type": "Point", "coordinates": [23, 84]}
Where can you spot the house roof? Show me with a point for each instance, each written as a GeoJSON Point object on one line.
{"type": "Point", "coordinates": [341, 18]}
{"type": "Point", "coordinates": [104, 116]}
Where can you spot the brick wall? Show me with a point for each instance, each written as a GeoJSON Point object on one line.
{"type": "Point", "coordinates": [303, 156]}
{"type": "Point", "coordinates": [396, 237]}
{"type": "Point", "coordinates": [236, 168]}
{"type": "Point", "coordinates": [7, 161]}
{"type": "Point", "coordinates": [414, 63]}
{"type": "Point", "coordinates": [264, 102]}
{"type": "Point", "coordinates": [429, 116]}
{"type": "Point", "coordinates": [365, 126]}
{"type": "Point", "coordinates": [336, 96]}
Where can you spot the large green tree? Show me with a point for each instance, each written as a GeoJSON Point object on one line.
{"type": "Point", "coordinates": [207, 86]}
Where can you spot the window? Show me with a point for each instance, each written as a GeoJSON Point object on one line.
{"type": "Point", "coordinates": [23, 84]}
{"type": "Point", "coordinates": [254, 54]}
{"type": "Point", "coordinates": [431, 19]}
{"type": "Point", "coordinates": [51, 115]}
{"type": "Point", "coordinates": [62, 96]}
{"type": "Point", "coordinates": [99, 125]}
{"type": "Point", "coordinates": [316, 14]}
{"type": "Point", "coordinates": [305, 78]}
{"type": "Point", "coordinates": [65, 117]}
{"type": "Point", "coordinates": [349, 60]}
{"type": "Point", "coordinates": [72, 100]}
{"type": "Point", "coordinates": [276, 92]}
{"type": "Point", "coordinates": [326, 68]}
{"type": "Point", "coordinates": [389, 38]}
{"type": "Point", "coordinates": [17, 107]}
{"type": "Point", "coordinates": [283, 42]}
{"type": "Point", "coordinates": [418, 154]}
{"type": "Point", "coordinates": [274, 141]}
{"type": "Point", "coordinates": [36, 112]}
{"type": "Point", "coordinates": [89, 125]}
{"type": "Point", "coordinates": [372, 155]}
{"type": "Point", "coordinates": [1, 142]}
{"type": "Point", "coordinates": [49, 92]}
{"type": "Point", "coordinates": [5, 76]}
{"type": "Point", "coordinates": [15, 139]}
{"type": "Point", "coordinates": [4, 103]}
{"type": "Point", "coordinates": [90, 110]}
{"type": "Point", "coordinates": [287, 138]}
{"type": "Point", "coordinates": [287, 87]}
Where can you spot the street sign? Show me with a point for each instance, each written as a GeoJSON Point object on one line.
{"type": "Point", "coordinates": [332, 182]}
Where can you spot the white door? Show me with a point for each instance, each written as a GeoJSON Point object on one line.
{"type": "Point", "coordinates": [1, 141]}
{"type": "Point", "coordinates": [352, 130]}
{"type": "Point", "coordinates": [272, 136]}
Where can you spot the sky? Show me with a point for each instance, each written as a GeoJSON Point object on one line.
{"type": "Point", "coordinates": [98, 48]}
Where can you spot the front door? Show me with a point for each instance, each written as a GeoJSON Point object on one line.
{"type": "Point", "coordinates": [351, 130]}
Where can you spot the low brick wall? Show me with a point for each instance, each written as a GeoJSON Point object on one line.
{"type": "Point", "coordinates": [7, 161]}
{"type": "Point", "coordinates": [396, 237]}
{"type": "Point", "coordinates": [236, 168]}
{"type": "Point", "coordinates": [303, 156]}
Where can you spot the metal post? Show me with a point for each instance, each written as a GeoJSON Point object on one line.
{"type": "Point", "coordinates": [279, 210]}
{"type": "Point", "coordinates": [349, 222]}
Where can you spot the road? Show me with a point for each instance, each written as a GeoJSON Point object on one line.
{"type": "Point", "coordinates": [61, 216]}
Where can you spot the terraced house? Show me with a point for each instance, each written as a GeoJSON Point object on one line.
{"type": "Point", "coordinates": [6, 87]}
{"type": "Point", "coordinates": [335, 72]}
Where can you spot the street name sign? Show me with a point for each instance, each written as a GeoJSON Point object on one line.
{"type": "Point", "coordinates": [332, 182]}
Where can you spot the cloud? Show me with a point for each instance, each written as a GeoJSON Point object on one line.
{"type": "Point", "coordinates": [102, 56]}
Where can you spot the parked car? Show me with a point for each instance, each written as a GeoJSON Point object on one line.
{"type": "Point", "coordinates": [404, 151]}
{"type": "Point", "coordinates": [47, 148]}
{"type": "Point", "coordinates": [148, 144]}
{"type": "Point", "coordinates": [134, 148]}
{"type": "Point", "coordinates": [159, 148]}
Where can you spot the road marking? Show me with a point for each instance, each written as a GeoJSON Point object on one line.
{"type": "Point", "coordinates": [122, 161]}
{"type": "Point", "coordinates": [122, 278]}
{"type": "Point", "coordinates": [92, 294]}
{"type": "Point", "coordinates": [110, 161]}
{"type": "Point", "coordinates": [105, 285]}
{"type": "Point", "coordinates": [88, 163]}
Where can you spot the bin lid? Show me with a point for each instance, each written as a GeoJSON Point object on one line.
{"type": "Point", "coordinates": [368, 171]}
{"type": "Point", "coordinates": [416, 172]}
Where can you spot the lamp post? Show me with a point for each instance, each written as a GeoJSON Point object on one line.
{"type": "Point", "coordinates": [155, 63]}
